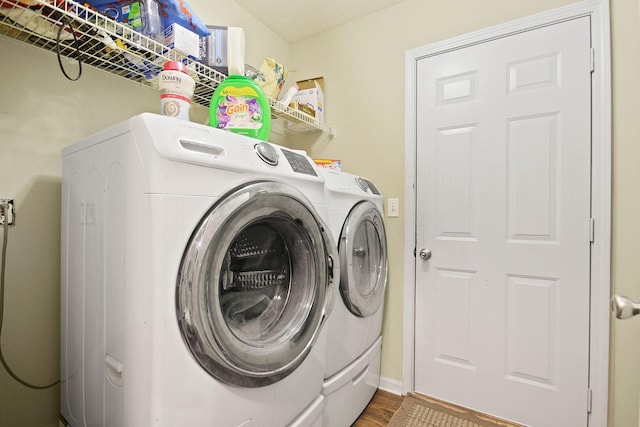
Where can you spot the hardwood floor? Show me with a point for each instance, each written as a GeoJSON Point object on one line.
{"type": "Point", "coordinates": [380, 410]}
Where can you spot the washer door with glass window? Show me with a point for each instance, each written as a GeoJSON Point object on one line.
{"type": "Point", "coordinates": [363, 260]}
{"type": "Point", "coordinates": [255, 284]}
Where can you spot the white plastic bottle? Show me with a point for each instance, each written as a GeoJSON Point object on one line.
{"type": "Point", "coordinates": [152, 27]}
{"type": "Point", "coordinates": [176, 90]}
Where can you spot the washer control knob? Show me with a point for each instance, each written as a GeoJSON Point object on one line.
{"type": "Point", "coordinates": [267, 153]}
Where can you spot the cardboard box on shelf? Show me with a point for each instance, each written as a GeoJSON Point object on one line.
{"type": "Point", "coordinates": [310, 98]}
{"type": "Point", "coordinates": [179, 38]}
{"type": "Point", "coordinates": [329, 163]}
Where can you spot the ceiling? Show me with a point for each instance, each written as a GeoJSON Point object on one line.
{"type": "Point", "coordinates": [295, 20]}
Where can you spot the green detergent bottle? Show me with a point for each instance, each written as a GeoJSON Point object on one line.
{"type": "Point", "coordinates": [239, 105]}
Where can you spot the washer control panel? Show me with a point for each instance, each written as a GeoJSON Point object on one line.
{"type": "Point", "coordinates": [269, 154]}
{"type": "Point", "coordinates": [299, 163]}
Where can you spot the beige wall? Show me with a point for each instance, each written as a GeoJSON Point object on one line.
{"type": "Point", "coordinates": [363, 63]}
{"type": "Point", "coordinates": [625, 337]}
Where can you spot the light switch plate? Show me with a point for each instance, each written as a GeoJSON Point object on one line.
{"type": "Point", "coordinates": [393, 208]}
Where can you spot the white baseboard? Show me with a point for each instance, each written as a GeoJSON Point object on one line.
{"type": "Point", "coordinates": [391, 385]}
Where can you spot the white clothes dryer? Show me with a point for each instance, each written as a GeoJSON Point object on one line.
{"type": "Point", "coordinates": [354, 327]}
{"type": "Point", "coordinates": [197, 275]}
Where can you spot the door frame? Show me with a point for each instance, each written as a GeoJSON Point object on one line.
{"type": "Point", "coordinates": [598, 11]}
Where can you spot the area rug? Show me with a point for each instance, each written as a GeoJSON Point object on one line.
{"type": "Point", "coordinates": [418, 412]}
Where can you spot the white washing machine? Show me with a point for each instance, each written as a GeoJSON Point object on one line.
{"type": "Point", "coordinates": [197, 275]}
{"type": "Point", "coordinates": [354, 327]}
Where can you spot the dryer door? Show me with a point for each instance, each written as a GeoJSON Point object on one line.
{"type": "Point", "coordinates": [363, 260]}
{"type": "Point", "coordinates": [256, 284]}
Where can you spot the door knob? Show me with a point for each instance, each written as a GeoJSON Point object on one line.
{"type": "Point", "coordinates": [425, 253]}
{"type": "Point", "coordinates": [624, 307]}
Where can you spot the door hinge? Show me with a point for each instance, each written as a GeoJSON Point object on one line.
{"type": "Point", "coordinates": [593, 60]}
{"type": "Point", "coordinates": [592, 230]}
{"type": "Point", "coordinates": [589, 400]}
{"type": "Point", "coordinates": [414, 252]}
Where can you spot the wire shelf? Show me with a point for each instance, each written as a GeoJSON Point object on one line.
{"type": "Point", "coordinates": [75, 30]}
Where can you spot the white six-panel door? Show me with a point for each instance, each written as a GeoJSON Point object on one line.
{"type": "Point", "coordinates": [503, 203]}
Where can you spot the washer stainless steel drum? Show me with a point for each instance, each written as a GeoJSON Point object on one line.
{"type": "Point", "coordinates": [252, 291]}
{"type": "Point", "coordinates": [198, 274]}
